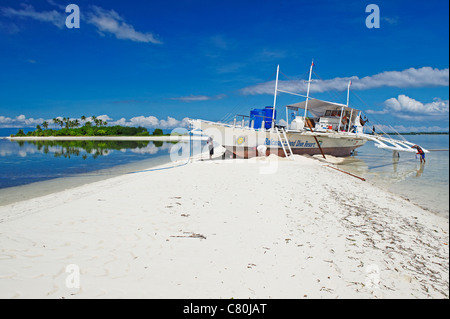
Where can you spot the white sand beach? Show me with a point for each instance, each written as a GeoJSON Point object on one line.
{"type": "Point", "coordinates": [261, 228]}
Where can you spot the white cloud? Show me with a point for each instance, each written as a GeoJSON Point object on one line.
{"type": "Point", "coordinates": [198, 98]}
{"type": "Point", "coordinates": [22, 121]}
{"type": "Point", "coordinates": [409, 109]}
{"type": "Point", "coordinates": [170, 122]}
{"type": "Point", "coordinates": [422, 77]}
{"type": "Point", "coordinates": [405, 103]}
{"type": "Point", "coordinates": [151, 122]}
{"type": "Point", "coordinates": [409, 78]}
{"type": "Point", "coordinates": [406, 129]}
{"type": "Point", "coordinates": [109, 21]}
{"type": "Point", "coordinates": [106, 21]}
{"type": "Point", "coordinates": [19, 121]}
{"type": "Point", "coordinates": [56, 18]}
{"type": "Point", "coordinates": [105, 118]}
{"type": "Point", "coordinates": [55, 4]}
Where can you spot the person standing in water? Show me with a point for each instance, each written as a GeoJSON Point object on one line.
{"type": "Point", "coordinates": [420, 152]}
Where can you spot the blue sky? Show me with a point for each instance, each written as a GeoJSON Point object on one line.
{"type": "Point", "coordinates": [155, 63]}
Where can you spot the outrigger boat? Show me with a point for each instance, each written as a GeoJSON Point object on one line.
{"type": "Point", "coordinates": [331, 129]}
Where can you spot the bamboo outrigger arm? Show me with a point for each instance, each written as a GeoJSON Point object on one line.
{"type": "Point", "coordinates": [392, 144]}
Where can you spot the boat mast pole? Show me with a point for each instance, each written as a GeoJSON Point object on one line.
{"type": "Point", "coordinates": [351, 113]}
{"type": "Point", "coordinates": [287, 118]}
{"type": "Point", "coordinates": [275, 97]}
{"type": "Point", "coordinates": [309, 85]}
{"type": "Point", "coordinates": [348, 91]}
{"type": "Point", "coordinates": [342, 108]}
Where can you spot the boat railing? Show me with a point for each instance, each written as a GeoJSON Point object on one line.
{"type": "Point", "coordinates": [245, 122]}
{"type": "Point", "coordinates": [242, 121]}
{"type": "Point", "coordinates": [251, 121]}
{"type": "Point", "coordinates": [236, 124]}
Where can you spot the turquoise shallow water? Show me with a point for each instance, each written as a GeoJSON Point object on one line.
{"type": "Point", "coordinates": [426, 185]}
{"type": "Point", "coordinates": [32, 169]}
{"type": "Point", "coordinates": [22, 163]}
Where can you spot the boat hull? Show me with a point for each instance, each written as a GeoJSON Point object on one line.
{"type": "Point", "coordinates": [244, 142]}
{"type": "Point", "coordinates": [249, 152]}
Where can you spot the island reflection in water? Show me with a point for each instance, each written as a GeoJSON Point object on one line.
{"type": "Point", "coordinates": [93, 149]}
{"type": "Point", "coordinates": [25, 162]}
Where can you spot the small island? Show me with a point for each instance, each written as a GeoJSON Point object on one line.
{"type": "Point", "coordinates": [92, 126]}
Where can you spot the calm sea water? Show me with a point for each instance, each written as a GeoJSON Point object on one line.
{"type": "Point", "coordinates": [426, 185]}
{"type": "Point", "coordinates": [29, 162]}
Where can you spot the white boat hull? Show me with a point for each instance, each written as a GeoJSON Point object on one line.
{"type": "Point", "coordinates": [244, 142]}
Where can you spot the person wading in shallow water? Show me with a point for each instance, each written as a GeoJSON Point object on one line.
{"type": "Point", "coordinates": [420, 152]}
{"type": "Point", "coordinates": [211, 147]}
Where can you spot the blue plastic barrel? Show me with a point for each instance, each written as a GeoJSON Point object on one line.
{"type": "Point", "coordinates": [257, 115]}
{"type": "Point", "coordinates": [268, 110]}
{"type": "Point", "coordinates": [260, 115]}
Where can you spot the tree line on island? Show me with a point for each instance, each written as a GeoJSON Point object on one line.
{"type": "Point", "coordinates": [92, 126]}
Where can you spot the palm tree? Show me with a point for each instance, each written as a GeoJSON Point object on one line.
{"type": "Point", "coordinates": [45, 125]}
{"type": "Point", "coordinates": [56, 121]}
{"type": "Point", "coordinates": [95, 120]}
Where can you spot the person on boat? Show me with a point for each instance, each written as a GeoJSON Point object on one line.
{"type": "Point", "coordinates": [211, 147]}
{"type": "Point", "coordinates": [363, 121]}
{"type": "Point", "coordinates": [420, 152]}
{"type": "Point", "coordinates": [345, 123]}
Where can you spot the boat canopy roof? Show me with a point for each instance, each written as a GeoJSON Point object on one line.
{"type": "Point", "coordinates": [319, 107]}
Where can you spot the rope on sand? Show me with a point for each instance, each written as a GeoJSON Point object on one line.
{"type": "Point", "coordinates": [363, 179]}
